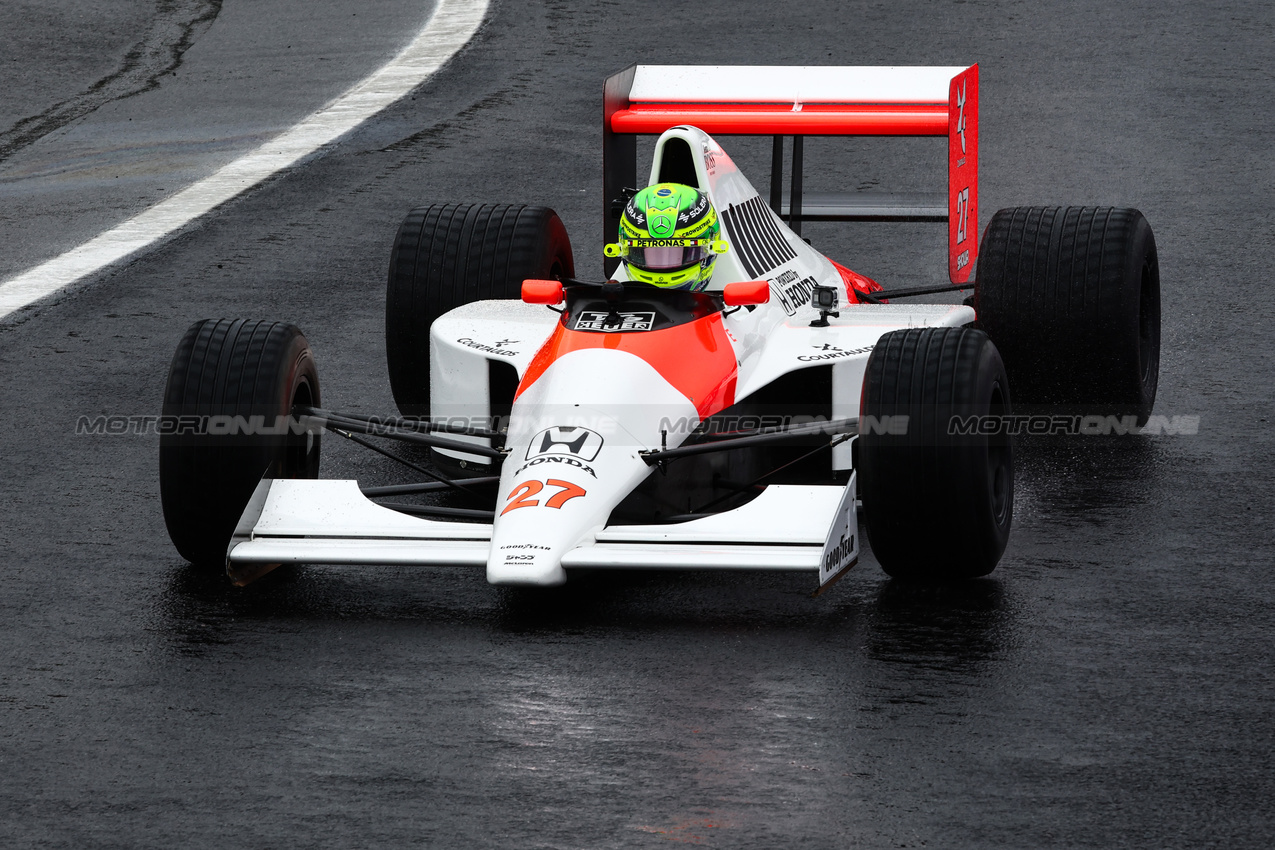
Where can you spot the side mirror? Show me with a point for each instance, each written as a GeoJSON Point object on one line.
{"type": "Point", "coordinates": [746, 292]}
{"type": "Point", "coordinates": [542, 292]}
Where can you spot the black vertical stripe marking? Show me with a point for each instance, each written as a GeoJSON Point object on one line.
{"type": "Point", "coordinates": [756, 235]}
{"type": "Point", "coordinates": [743, 239]}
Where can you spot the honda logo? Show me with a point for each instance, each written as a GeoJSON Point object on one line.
{"type": "Point", "coordinates": [566, 440]}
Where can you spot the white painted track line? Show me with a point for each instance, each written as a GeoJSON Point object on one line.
{"type": "Point", "coordinates": [452, 25]}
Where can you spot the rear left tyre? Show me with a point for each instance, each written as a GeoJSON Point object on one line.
{"type": "Point", "coordinates": [232, 385]}
{"type": "Point", "coordinates": [937, 487]}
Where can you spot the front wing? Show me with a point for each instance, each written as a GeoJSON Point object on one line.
{"type": "Point", "coordinates": [786, 528]}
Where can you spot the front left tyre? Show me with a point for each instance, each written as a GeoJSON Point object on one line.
{"type": "Point", "coordinates": [936, 466]}
{"type": "Point", "coordinates": [228, 423]}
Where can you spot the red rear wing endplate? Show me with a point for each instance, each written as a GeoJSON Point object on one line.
{"type": "Point", "coordinates": [807, 101]}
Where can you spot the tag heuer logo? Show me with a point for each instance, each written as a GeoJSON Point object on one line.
{"type": "Point", "coordinates": [566, 440]}
{"type": "Point", "coordinates": [597, 320]}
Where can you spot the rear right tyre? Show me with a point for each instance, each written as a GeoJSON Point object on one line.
{"type": "Point", "coordinates": [1071, 296]}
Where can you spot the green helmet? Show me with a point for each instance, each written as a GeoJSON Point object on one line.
{"type": "Point", "coordinates": [669, 237]}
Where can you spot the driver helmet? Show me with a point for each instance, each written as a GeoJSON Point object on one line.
{"type": "Point", "coordinates": [669, 237]}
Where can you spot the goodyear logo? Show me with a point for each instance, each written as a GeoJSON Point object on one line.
{"type": "Point", "coordinates": [839, 554]}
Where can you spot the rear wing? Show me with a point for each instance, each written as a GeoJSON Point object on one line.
{"type": "Point", "coordinates": [803, 101]}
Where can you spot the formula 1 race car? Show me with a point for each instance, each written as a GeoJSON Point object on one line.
{"type": "Point", "coordinates": [618, 425]}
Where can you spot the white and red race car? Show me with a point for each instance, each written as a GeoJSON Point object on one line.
{"type": "Point", "coordinates": [614, 425]}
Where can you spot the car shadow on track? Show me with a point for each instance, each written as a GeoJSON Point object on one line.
{"type": "Point", "coordinates": [938, 626]}
{"type": "Point", "coordinates": [948, 626]}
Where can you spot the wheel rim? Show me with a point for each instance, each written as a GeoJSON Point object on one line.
{"type": "Point", "coordinates": [299, 449]}
{"type": "Point", "coordinates": [1146, 322]}
{"type": "Point", "coordinates": [999, 469]}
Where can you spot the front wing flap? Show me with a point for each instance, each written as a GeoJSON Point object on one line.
{"type": "Point", "coordinates": [787, 527]}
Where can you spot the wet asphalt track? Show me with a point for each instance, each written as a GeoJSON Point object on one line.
{"type": "Point", "coordinates": [1110, 686]}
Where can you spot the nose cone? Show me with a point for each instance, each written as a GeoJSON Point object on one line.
{"type": "Point", "coordinates": [555, 500]}
{"type": "Point", "coordinates": [575, 439]}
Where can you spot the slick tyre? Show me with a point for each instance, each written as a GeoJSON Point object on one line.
{"type": "Point", "coordinates": [1071, 297]}
{"type": "Point", "coordinates": [938, 492]}
{"type": "Point", "coordinates": [231, 388]}
{"type": "Point", "coordinates": [447, 255]}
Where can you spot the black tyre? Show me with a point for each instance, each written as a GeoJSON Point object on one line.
{"type": "Point", "coordinates": [938, 499]}
{"type": "Point", "coordinates": [447, 255]}
{"type": "Point", "coordinates": [1071, 296]}
{"type": "Point", "coordinates": [209, 463]}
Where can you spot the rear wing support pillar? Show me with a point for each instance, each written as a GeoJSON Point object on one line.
{"type": "Point", "coordinates": [619, 158]}
{"type": "Point", "coordinates": [794, 192]}
{"type": "Point", "coordinates": [777, 182]}
{"type": "Point", "coordinates": [776, 175]}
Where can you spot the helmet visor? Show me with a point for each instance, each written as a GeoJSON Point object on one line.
{"type": "Point", "coordinates": [666, 254]}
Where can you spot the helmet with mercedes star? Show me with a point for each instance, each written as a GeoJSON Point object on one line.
{"type": "Point", "coordinates": [669, 237]}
